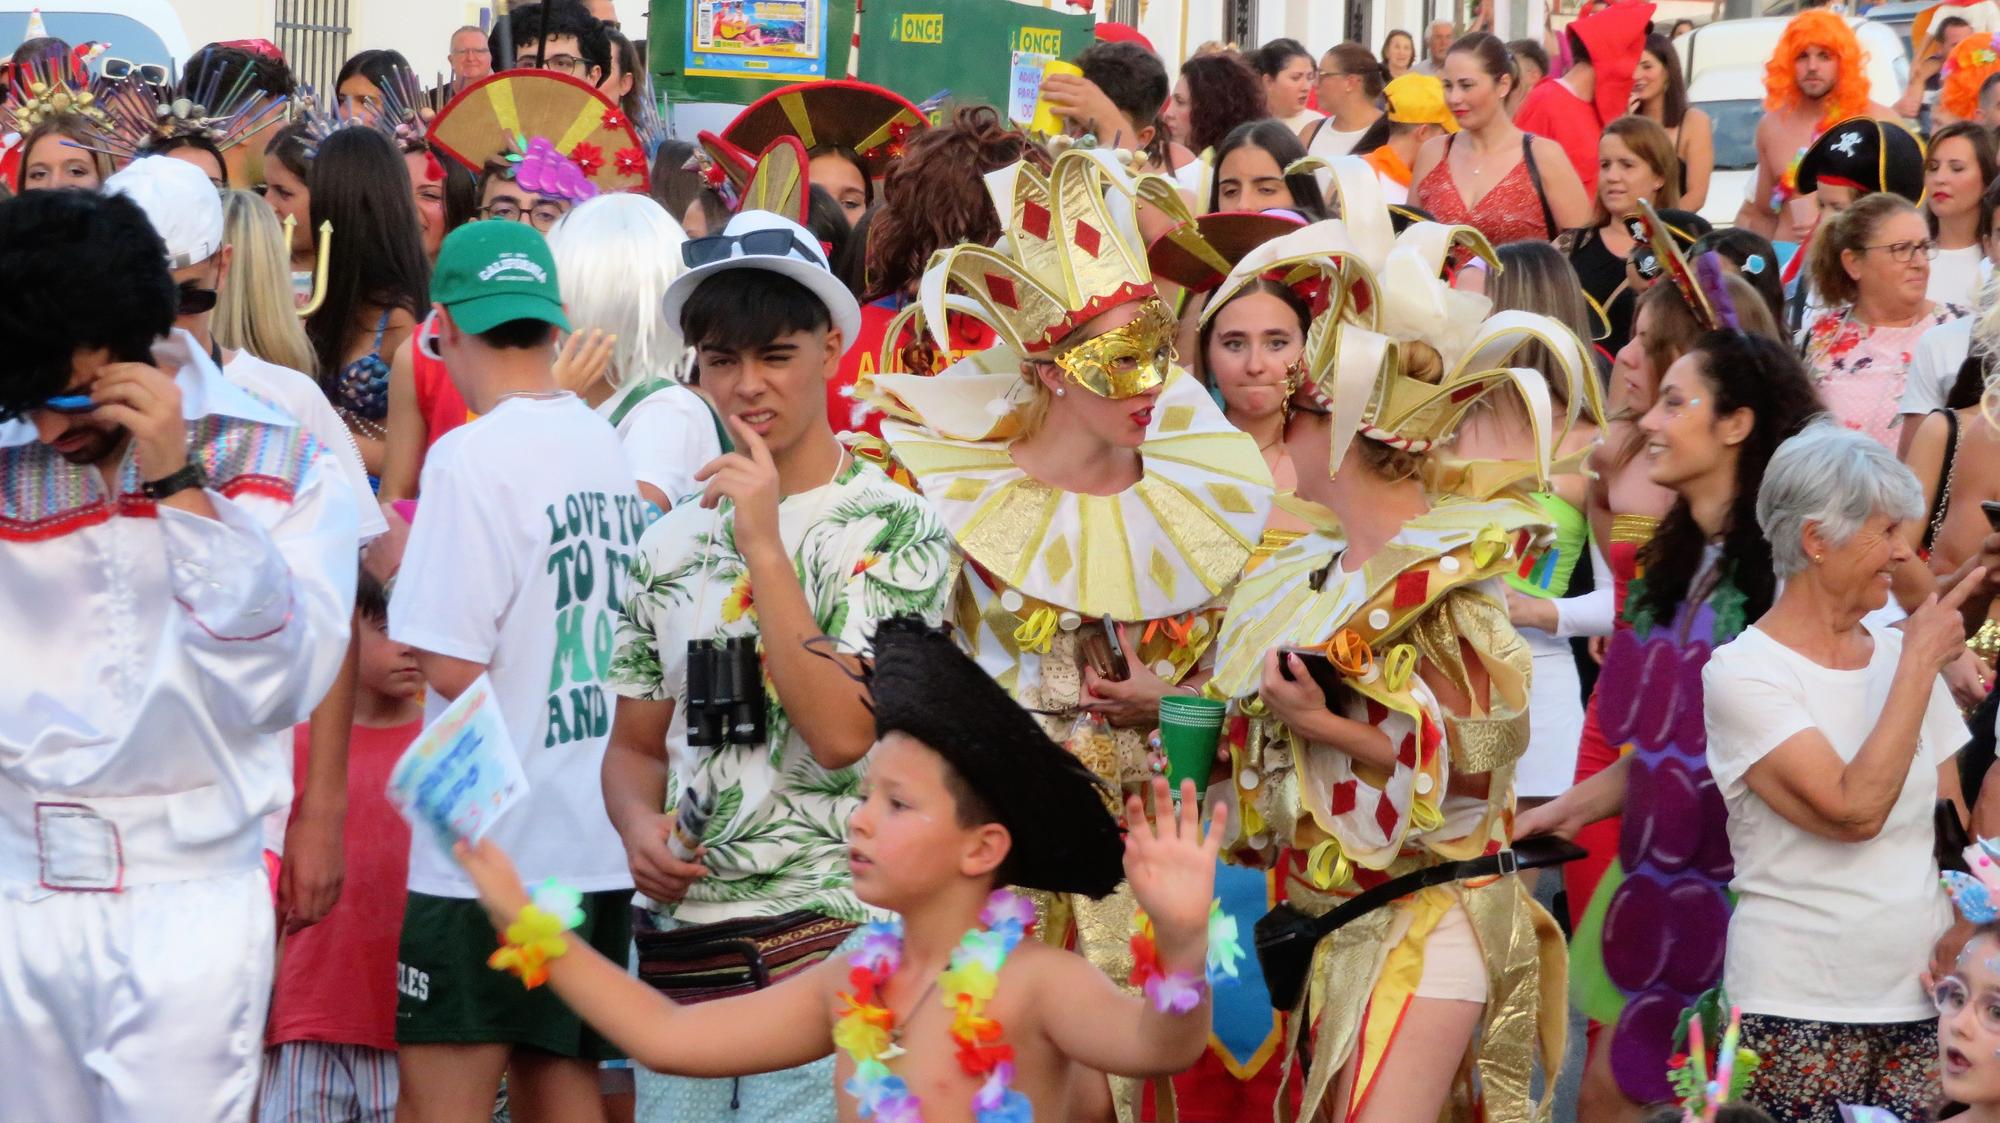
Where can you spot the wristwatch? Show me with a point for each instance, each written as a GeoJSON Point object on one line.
{"type": "Point", "coordinates": [189, 475]}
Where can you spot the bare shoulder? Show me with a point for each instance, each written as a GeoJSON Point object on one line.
{"type": "Point", "coordinates": [1884, 113]}
{"type": "Point", "coordinates": [1698, 121]}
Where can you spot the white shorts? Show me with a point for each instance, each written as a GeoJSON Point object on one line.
{"type": "Point", "coordinates": [142, 1005]}
{"type": "Point", "coordinates": [321, 1082]}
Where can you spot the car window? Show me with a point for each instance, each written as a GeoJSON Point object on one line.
{"type": "Point", "coordinates": [1735, 131]}
{"type": "Point", "coordinates": [124, 36]}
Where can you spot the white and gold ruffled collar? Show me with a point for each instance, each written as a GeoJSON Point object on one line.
{"type": "Point", "coordinates": [1165, 546]}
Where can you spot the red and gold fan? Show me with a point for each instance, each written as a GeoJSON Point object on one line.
{"type": "Point", "coordinates": [565, 138]}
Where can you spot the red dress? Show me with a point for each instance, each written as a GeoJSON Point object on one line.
{"type": "Point", "coordinates": [1511, 212]}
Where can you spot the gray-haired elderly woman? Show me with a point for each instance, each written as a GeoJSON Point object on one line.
{"type": "Point", "coordinates": [1831, 738]}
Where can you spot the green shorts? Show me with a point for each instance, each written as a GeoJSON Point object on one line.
{"type": "Point", "coordinates": [447, 995]}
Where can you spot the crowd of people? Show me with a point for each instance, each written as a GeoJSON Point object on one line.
{"type": "Point", "coordinates": [947, 588]}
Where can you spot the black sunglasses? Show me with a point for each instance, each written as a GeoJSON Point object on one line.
{"type": "Point", "coordinates": [195, 300]}
{"type": "Point", "coordinates": [754, 243]}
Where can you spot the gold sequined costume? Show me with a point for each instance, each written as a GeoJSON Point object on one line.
{"type": "Point", "coordinates": [1044, 567]}
{"type": "Point", "coordinates": [1427, 608]}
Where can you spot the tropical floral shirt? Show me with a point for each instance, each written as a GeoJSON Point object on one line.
{"type": "Point", "coordinates": [865, 548]}
{"type": "Point", "coordinates": [1860, 369]}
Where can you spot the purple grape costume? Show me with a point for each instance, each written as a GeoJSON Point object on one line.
{"type": "Point", "coordinates": [1652, 940]}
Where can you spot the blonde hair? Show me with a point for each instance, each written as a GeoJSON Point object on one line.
{"type": "Point", "coordinates": [1851, 229]}
{"type": "Point", "coordinates": [1421, 363]}
{"type": "Point", "coordinates": [255, 312]}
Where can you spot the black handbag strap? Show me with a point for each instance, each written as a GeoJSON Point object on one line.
{"type": "Point", "coordinates": [1535, 181]}
{"type": "Point", "coordinates": [1396, 888]}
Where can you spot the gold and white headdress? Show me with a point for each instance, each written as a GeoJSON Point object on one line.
{"type": "Point", "coordinates": [1386, 292]}
{"type": "Point", "coordinates": [1067, 255]}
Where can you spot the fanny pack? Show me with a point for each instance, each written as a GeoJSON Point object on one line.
{"type": "Point", "coordinates": [702, 962]}
{"type": "Point", "coordinates": [1286, 937]}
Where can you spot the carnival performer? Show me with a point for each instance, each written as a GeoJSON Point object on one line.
{"type": "Point", "coordinates": [1102, 503]}
{"type": "Point", "coordinates": [853, 133]}
{"type": "Point", "coordinates": [1721, 409]}
{"type": "Point", "coordinates": [1813, 80]}
{"type": "Point", "coordinates": [1251, 351]}
{"type": "Point", "coordinates": [179, 567]}
{"type": "Point", "coordinates": [1381, 696]}
{"type": "Point", "coordinates": [949, 1001]}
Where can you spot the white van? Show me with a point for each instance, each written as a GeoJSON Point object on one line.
{"type": "Point", "coordinates": [1724, 64]}
{"type": "Point", "coordinates": [145, 31]}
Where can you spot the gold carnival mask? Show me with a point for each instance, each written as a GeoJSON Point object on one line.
{"type": "Point", "coordinates": [1128, 360]}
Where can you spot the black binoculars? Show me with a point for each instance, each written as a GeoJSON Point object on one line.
{"type": "Point", "coordinates": [725, 693]}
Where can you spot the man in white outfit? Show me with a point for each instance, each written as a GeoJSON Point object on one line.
{"type": "Point", "coordinates": [177, 566]}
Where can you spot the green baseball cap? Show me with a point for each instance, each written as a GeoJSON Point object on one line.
{"type": "Point", "coordinates": [494, 271]}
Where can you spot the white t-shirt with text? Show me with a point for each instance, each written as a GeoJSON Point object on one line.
{"type": "Point", "coordinates": [1825, 930]}
{"type": "Point", "coordinates": [517, 561]}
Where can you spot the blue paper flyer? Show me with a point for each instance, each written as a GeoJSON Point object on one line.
{"type": "Point", "coordinates": [461, 773]}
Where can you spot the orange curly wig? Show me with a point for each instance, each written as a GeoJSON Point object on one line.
{"type": "Point", "coordinates": [1964, 72]}
{"type": "Point", "coordinates": [1817, 27]}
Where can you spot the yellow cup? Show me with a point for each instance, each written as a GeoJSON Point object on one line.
{"type": "Point", "coordinates": [1046, 122]}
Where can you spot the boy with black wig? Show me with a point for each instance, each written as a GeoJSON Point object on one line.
{"type": "Point", "coordinates": [793, 538]}
{"type": "Point", "coordinates": [176, 577]}
{"type": "Point", "coordinates": [950, 1004]}
{"type": "Point", "coordinates": [575, 42]}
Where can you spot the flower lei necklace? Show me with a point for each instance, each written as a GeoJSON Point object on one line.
{"type": "Point", "coordinates": [865, 1032]}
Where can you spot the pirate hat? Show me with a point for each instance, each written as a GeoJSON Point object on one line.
{"type": "Point", "coordinates": [561, 131]}
{"type": "Point", "coordinates": [1867, 155]}
{"type": "Point", "coordinates": [1198, 255]}
{"type": "Point", "coordinates": [868, 119]}
{"type": "Point", "coordinates": [923, 686]}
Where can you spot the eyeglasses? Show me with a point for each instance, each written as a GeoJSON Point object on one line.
{"type": "Point", "coordinates": [470, 52]}
{"type": "Point", "coordinates": [754, 243]}
{"type": "Point", "coordinates": [1906, 251]}
{"type": "Point", "coordinates": [194, 299]}
{"type": "Point", "coordinates": [541, 216]}
{"type": "Point", "coordinates": [1950, 996]}
{"type": "Point", "coordinates": [567, 64]}
{"type": "Point", "coordinates": [117, 69]}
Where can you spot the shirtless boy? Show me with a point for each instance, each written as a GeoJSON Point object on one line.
{"type": "Point", "coordinates": [960, 800]}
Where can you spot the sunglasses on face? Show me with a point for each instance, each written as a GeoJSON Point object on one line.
{"type": "Point", "coordinates": [195, 300]}
{"type": "Point", "coordinates": [118, 69]}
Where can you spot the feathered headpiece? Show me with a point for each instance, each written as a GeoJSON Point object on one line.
{"type": "Point", "coordinates": [922, 685]}
{"type": "Point", "coordinates": [1386, 291]}
{"type": "Point", "coordinates": [564, 137]}
{"type": "Point", "coordinates": [1700, 283]}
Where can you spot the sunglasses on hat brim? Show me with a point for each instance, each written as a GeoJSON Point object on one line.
{"type": "Point", "coordinates": [753, 243]}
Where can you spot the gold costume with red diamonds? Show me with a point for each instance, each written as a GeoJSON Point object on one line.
{"type": "Point", "coordinates": [1425, 610]}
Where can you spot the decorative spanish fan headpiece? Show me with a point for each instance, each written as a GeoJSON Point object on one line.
{"type": "Point", "coordinates": [1198, 255]}
{"type": "Point", "coordinates": [875, 123]}
{"type": "Point", "coordinates": [564, 137]}
{"type": "Point", "coordinates": [1378, 307]}
{"type": "Point", "coordinates": [778, 180]}
{"type": "Point", "coordinates": [146, 115]}
{"type": "Point", "coordinates": [1064, 259]}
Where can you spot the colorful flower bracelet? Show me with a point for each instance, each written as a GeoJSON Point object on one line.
{"type": "Point", "coordinates": [536, 935]}
{"type": "Point", "coordinates": [1178, 992]}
